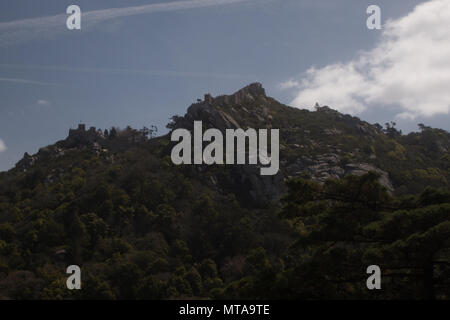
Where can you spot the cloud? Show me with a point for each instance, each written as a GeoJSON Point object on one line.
{"type": "Point", "coordinates": [2, 146]}
{"type": "Point", "coordinates": [408, 70]}
{"type": "Point", "coordinates": [19, 31]}
{"type": "Point", "coordinates": [290, 84]}
{"type": "Point", "coordinates": [44, 103]}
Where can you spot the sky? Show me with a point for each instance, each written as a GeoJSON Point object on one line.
{"type": "Point", "coordinates": [138, 62]}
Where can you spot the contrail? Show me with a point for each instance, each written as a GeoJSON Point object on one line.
{"type": "Point", "coordinates": [25, 81]}
{"type": "Point", "coordinates": [19, 31]}
{"type": "Point", "coordinates": [138, 72]}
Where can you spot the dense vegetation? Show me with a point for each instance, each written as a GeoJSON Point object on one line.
{"type": "Point", "coordinates": [138, 227]}
{"type": "Point", "coordinates": [141, 228]}
{"type": "Point", "coordinates": [345, 226]}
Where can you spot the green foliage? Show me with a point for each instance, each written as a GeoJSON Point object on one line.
{"type": "Point", "coordinates": [353, 223]}
{"type": "Point", "coordinates": [138, 228]}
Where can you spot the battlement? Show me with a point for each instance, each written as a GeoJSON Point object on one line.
{"type": "Point", "coordinates": [90, 135]}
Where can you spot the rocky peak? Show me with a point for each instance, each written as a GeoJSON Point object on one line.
{"type": "Point", "coordinates": [222, 112]}
{"type": "Point", "coordinates": [254, 89]}
{"type": "Point", "coordinates": [252, 92]}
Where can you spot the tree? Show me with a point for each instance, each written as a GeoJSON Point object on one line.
{"type": "Point", "coordinates": [112, 133]}
{"type": "Point", "coordinates": [391, 131]}
{"type": "Point", "coordinates": [345, 226]}
{"type": "Point", "coordinates": [144, 132]}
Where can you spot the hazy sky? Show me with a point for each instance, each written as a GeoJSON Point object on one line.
{"type": "Point", "coordinates": [140, 62]}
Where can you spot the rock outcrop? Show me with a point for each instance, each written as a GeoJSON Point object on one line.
{"type": "Point", "coordinates": [250, 107]}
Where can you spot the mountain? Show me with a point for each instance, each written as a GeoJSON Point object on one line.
{"type": "Point", "coordinates": [317, 145]}
{"type": "Point", "coordinates": [113, 202]}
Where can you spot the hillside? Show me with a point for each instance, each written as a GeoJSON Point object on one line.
{"type": "Point", "coordinates": [112, 202]}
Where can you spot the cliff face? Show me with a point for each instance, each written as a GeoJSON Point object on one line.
{"type": "Point", "coordinates": [233, 112]}
{"type": "Point", "coordinates": [305, 151]}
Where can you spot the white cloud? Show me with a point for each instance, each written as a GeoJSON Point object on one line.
{"type": "Point", "coordinates": [290, 84]}
{"type": "Point", "coordinates": [44, 103]}
{"type": "Point", "coordinates": [409, 69]}
{"type": "Point", "coordinates": [2, 146]}
{"type": "Point", "coordinates": [18, 31]}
